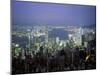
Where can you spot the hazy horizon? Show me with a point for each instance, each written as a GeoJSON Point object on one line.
{"type": "Point", "coordinates": [38, 13]}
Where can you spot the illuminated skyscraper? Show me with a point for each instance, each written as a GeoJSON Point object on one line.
{"type": "Point", "coordinates": [78, 37]}
{"type": "Point", "coordinates": [46, 34]}
{"type": "Point", "coordinates": [57, 40]}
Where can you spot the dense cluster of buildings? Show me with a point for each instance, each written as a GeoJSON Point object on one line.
{"type": "Point", "coordinates": [39, 36]}
{"type": "Point", "coordinates": [43, 53]}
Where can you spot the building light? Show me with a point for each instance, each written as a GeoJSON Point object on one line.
{"type": "Point", "coordinates": [70, 35]}
{"type": "Point", "coordinates": [17, 45]}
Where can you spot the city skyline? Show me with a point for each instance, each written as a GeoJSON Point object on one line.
{"type": "Point", "coordinates": [50, 37]}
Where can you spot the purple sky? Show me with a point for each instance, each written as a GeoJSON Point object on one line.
{"type": "Point", "coordinates": [52, 14]}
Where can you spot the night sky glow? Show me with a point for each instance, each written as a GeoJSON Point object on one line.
{"type": "Point", "coordinates": [52, 14]}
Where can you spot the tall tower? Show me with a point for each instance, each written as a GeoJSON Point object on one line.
{"type": "Point", "coordinates": [29, 38]}
{"type": "Point", "coordinates": [46, 34]}
{"type": "Point", "coordinates": [57, 40]}
{"type": "Point", "coordinates": [78, 36]}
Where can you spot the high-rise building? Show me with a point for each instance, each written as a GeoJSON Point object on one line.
{"type": "Point", "coordinates": [46, 34]}
{"type": "Point", "coordinates": [57, 40]}
{"type": "Point", "coordinates": [78, 37]}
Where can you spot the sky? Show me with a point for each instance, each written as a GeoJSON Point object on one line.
{"type": "Point", "coordinates": [36, 13]}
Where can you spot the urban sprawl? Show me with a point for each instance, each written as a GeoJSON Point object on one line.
{"type": "Point", "coordinates": [35, 49]}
